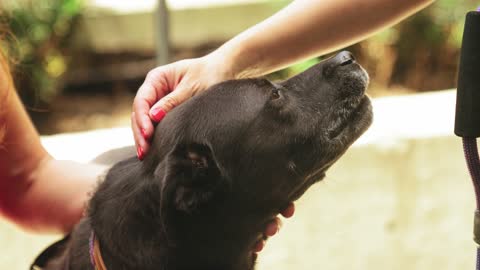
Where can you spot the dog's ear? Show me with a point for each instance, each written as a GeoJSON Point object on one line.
{"type": "Point", "coordinates": [193, 178]}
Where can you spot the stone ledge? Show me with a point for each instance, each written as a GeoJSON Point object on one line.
{"type": "Point", "coordinates": [192, 23]}
{"type": "Point", "coordinates": [396, 118]}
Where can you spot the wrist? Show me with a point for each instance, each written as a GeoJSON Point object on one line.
{"type": "Point", "coordinates": [220, 65]}
{"type": "Point", "coordinates": [236, 62]}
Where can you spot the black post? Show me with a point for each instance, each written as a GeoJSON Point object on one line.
{"type": "Point", "coordinates": [467, 117]}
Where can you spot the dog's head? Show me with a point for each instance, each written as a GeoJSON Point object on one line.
{"type": "Point", "coordinates": [260, 142]}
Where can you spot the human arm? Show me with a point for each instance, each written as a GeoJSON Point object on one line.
{"type": "Point", "coordinates": [303, 29]}
{"type": "Point", "coordinates": [37, 192]}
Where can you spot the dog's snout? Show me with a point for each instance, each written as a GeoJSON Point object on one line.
{"type": "Point", "coordinates": [340, 60]}
{"type": "Point", "coordinates": [344, 58]}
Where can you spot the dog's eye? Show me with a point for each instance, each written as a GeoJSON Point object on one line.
{"type": "Point", "coordinates": [275, 94]}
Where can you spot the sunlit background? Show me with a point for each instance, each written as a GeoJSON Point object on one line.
{"type": "Point", "coordinates": [399, 199]}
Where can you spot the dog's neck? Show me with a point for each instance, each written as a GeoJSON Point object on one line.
{"type": "Point", "coordinates": [133, 235]}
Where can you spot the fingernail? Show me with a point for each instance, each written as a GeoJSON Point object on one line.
{"type": "Point", "coordinates": [158, 114]}
{"type": "Point", "coordinates": [140, 153]}
{"type": "Point", "coordinates": [144, 134]}
{"type": "Point", "coordinates": [289, 211]}
{"type": "Point", "coordinates": [272, 229]}
{"type": "Point", "coordinates": [259, 246]}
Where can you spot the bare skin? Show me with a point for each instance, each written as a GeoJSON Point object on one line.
{"type": "Point", "coordinates": [303, 29]}
{"type": "Point", "coordinates": [34, 187]}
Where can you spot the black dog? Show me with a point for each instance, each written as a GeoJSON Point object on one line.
{"type": "Point", "coordinates": [220, 167]}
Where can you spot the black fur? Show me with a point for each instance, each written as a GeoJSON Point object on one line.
{"type": "Point", "coordinates": [220, 167]}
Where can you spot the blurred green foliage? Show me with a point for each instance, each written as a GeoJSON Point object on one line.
{"type": "Point", "coordinates": [38, 44]}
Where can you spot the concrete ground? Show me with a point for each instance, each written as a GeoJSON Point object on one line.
{"type": "Point", "coordinates": [399, 199]}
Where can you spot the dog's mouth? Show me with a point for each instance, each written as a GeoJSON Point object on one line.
{"type": "Point", "coordinates": [353, 122]}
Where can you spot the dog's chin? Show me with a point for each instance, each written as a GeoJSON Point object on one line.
{"type": "Point", "coordinates": [362, 77]}
{"type": "Point", "coordinates": [353, 115]}
{"type": "Point", "coordinates": [354, 124]}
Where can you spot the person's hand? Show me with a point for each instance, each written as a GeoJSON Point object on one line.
{"type": "Point", "coordinates": [273, 227]}
{"type": "Point", "coordinates": [168, 86]}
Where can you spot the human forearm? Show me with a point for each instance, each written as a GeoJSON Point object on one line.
{"type": "Point", "coordinates": [36, 191]}
{"type": "Point", "coordinates": [20, 148]}
{"type": "Point", "coordinates": [56, 197]}
{"type": "Point", "coordinates": [308, 28]}
{"type": "Point", "coordinates": [304, 29]}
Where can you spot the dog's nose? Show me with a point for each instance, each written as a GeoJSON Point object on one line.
{"type": "Point", "coordinates": [343, 58]}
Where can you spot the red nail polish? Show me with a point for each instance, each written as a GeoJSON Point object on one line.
{"type": "Point", "coordinates": [259, 246]}
{"type": "Point", "coordinates": [272, 229]}
{"type": "Point", "coordinates": [140, 153]}
{"type": "Point", "coordinates": [289, 211]}
{"type": "Point", "coordinates": [158, 114]}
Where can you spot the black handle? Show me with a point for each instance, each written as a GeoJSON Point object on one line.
{"type": "Point", "coordinates": [467, 117]}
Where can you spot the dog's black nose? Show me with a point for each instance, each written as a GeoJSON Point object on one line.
{"type": "Point", "coordinates": [344, 58]}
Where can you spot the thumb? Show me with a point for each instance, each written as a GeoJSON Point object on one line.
{"type": "Point", "coordinates": [167, 103]}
